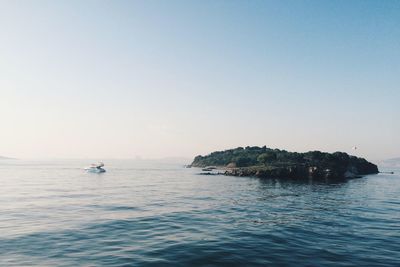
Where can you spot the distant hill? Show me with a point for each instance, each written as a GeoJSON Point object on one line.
{"type": "Point", "coordinates": [1, 157]}
{"type": "Point", "coordinates": [276, 163]}
{"type": "Point", "coordinates": [394, 163]}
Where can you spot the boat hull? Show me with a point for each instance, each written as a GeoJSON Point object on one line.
{"type": "Point", "coordinates": [95, 170]}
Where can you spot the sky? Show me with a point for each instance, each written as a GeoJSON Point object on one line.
{"type": "Point", "coordinates": [122, 79]}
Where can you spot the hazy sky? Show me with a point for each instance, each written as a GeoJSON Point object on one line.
{"type": "Point", "coordinates": [181, 78]}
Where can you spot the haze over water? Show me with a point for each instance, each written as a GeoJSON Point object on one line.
{"type": "Point", "coordinates": [148, 213]}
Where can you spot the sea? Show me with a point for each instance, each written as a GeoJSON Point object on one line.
{"type": "Point", "coordinates": [159, 213]}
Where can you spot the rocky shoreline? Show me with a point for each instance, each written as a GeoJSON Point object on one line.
{"type": "Point", "coordinates": [295, 172]}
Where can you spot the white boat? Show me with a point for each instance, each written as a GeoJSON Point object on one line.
{"type": "Point", "coordinates": [96, 168]}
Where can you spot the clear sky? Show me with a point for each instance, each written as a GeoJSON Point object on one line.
{"type": "Point", "coordinates": [118, 79]}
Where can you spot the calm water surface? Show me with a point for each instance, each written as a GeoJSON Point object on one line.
{"type": "Point", "coordinates": [148, 213]}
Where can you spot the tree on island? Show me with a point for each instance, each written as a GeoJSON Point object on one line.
{"type": "Point", "coordinates": [266, 158]}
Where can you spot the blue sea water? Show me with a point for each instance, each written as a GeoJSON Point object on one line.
{"type": "Point", "coordinates": [149, 213]}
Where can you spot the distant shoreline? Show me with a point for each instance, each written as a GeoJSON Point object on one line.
{"type": "Point", "coordinates": [5, 158]}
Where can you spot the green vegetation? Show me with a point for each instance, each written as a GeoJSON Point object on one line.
{"type": "Point", "coordinates": [258, 156]}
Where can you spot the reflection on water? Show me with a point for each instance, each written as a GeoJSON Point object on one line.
{"type": "Point", "coordinates": [154, 213]}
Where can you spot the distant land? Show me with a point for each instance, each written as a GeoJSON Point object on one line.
{"type": "Point", "coordinates": [393, 163]}
{"type": "Point", "coordinates": [265, 162]}
{"type": "Point", "coordinates": [2, 157]}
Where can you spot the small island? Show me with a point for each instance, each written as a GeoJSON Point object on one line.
{"type": "Point", "coordinates": [265, 162]}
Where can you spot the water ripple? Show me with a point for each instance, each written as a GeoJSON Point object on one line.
{"type": "Point", "coordinates": [146, 216]}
